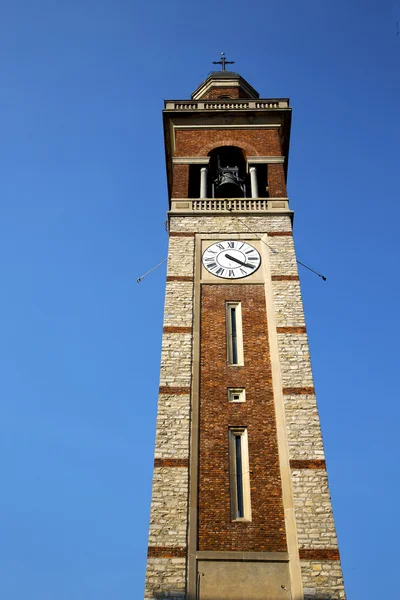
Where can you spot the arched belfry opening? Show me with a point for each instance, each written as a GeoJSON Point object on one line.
{"type": "Point", "coordinates": [227, 172]}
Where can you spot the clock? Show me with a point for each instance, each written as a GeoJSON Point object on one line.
{"type": "Point", "coordinates": [231, 259]}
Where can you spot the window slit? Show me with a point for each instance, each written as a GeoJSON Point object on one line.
{"type": "Point", "coordinates": [239, 476]}
{"type": "Point", "coordinates": [234, 336]}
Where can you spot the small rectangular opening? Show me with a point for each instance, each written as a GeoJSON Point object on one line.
{"type": "Point", "coordinates": [236, 395]}
{"type": "Point", "coordinates": [262, 180]}
{"type": "Point", "coordinates": [194, 181]}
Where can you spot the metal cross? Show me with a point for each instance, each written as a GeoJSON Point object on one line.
{"type": "Point", "coordinates": [223, 61]}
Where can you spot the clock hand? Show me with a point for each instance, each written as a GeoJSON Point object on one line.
{"type": "Point", "coordinates": [240, 262]}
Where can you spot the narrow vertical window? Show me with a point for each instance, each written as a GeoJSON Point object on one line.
{"type": "Point", "coordinates": [239, 474]}
{"type": "Point", "coordinates": [234, 333]}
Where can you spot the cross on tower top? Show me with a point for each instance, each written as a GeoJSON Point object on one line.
{"type": "Point", "coordinates": [223, 61]}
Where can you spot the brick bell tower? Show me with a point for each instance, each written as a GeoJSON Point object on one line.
{"type": "Point", "coordinates": [241, 507]}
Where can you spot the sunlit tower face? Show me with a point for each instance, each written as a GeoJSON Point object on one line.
{"type": "Point", "coordinates": [240, 504]}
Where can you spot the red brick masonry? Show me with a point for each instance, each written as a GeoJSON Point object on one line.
{"type": "Point", "coordinates": [168, 329]}
{"type": "Point", "coordinates": [181, 234]}
{"type": "Point", "coordinates": [216, 530]}
{"type": "Point", "coordinates": [319, 554]}
{"type": "Point", "coordinates": [166, 552]}
{"type": "Point", "coordinates": [179, 278]}
{"type": "Point", "coordinates": [291, 330]}
{"type": "Point", "coordinates": [171, 462]}
{"type": "Point", "coordinates": [280, 234]}
{"type": "Point", "coordinates": [298, 391]}
{"type": "Point", "coordinates": [283, 278]}
{"type": "Point", "coordinates": [166, 389]}
{"type": "Point", "coordinates": [254, 142]}
{"type": "Point", "coordinates": [308, 464]}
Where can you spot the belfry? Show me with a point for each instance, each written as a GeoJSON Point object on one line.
{"type": "Point", "coordinates": [240, 506]}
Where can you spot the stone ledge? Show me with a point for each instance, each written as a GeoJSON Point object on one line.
{"type": "Point", "coordinates": [244, 556]}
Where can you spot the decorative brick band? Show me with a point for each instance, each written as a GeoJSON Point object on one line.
{"type": "Point", "coordinates": [181, 234]}
{"type": "Point", "coordinates": [280, 234]}
{"type": "Point", "coordinates": [298, 391]}
{"type": "Point", "coordinates": [282, 278]}
{"type": "Point", "coordinates": [291, 330]}
{"type": "Point", "coordinates": [176, 391]}
{"type": "Point", "coordinates": [319, 554]}
{"type": "Point", "coordinates": [171, 462]}
{"type": "Point", "coordinates": [177, 329]}
{"type": "Point", "coordinates": [166, 552]}
{"type": "Point", "coordinates": [308, 464]}
{"type": "Point", "coordinates": [179, 278]}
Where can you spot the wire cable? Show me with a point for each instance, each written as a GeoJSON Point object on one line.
{"type": "Point", "coordinates": [139, 279]}
{"type": "Point", "coordinates": [273, 249]}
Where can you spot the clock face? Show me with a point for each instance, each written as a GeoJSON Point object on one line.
{"type": "Point", "coordinates": [231, 259]}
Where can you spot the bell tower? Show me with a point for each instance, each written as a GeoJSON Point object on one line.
{"type": "Point", "coordinates": [240, 506]}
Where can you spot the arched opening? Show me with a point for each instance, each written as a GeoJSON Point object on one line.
{"type": "Point", "coordinates": [228, 172]}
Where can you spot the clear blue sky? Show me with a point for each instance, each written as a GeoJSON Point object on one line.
{"type": "Point", "coordinates": [83, 202]}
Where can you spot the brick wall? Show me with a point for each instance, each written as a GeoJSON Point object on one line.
{"type": "Point", "coordinates": [180, 183]}
{"type": "Point", "coordinates": [276, 181]}
{"type": "Point", "coordinates": [216, 531]}
{"type": "Point", "coordinates": [216, 92]}
{"type": "Point", "coordinates": [254, 142]}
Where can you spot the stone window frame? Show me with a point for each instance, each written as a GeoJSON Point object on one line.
{"type": "Point", "coordinates": [241, 433]}
{"type": "Point", "coordinates": [237, 395]}
{"type": "Point", "coordinates": [239, 334]}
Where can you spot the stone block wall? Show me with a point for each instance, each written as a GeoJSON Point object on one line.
{"type": "Point", "coordinates": [314, 518]}
{"type": "Point", "coordinates": [168, 507]}
{"type": "Point", "coordinates": [166, 563]}
{"type": "Point", "coordinates": [303, 428]}
{"type": "Point", "coordinates": [322, 580]}
{"type": "Point", "coordinates": [317, 543]}
{"type": "Point", "coordinates": [176, 359]}
{"type": "Point", "coordinates": [316, 535]}
{"type": "Point", "coordinates": [288, 304]}
{"type": "Point", "coordinates": [165, 578]}
{"type": "Point", "coordinates": [172, 433]}
{"type": "Point", "coordinates": [178, 302]}
{"type": "Point", "coordinates": [295, 360]}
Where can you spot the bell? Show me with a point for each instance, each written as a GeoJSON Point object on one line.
{"type": "Point", "coordinates": [229, 184]}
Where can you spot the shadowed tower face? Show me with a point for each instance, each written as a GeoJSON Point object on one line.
{"type": "Point", "coordinates": [240, 507]}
